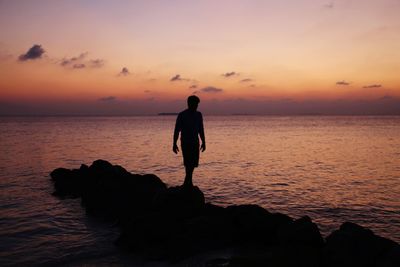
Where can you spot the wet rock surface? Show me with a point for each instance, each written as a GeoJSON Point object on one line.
{"type": "Point", "coordinates": [174, 223]}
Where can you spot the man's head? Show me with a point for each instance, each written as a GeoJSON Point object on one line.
{"type": "Point", "coordinates": [193, 102]}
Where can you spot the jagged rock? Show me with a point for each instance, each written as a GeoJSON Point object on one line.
{"type": "Point", "coordinates": [354, 245]}
{"type": "Point", "coordinates": [108, 190]}
{"type": "Point", "coordinates": [180, 200]}
{"type": "Point", "coordinates": [391, 258]}
{"type": "Point", "coordinates": [301, 232]}
{"type": "Point", "coordinates": [276, 256]}
{"type": "Point", "coordinates": [174, 223]}
{"type": "Point", "coordinates": [255, 224]}
{"type": "Point", "coordinates": [149, 232]}
{"type": "Point", "coordinates": [166, 230]}
{"type": "Point", "coordinates": [68, 183]}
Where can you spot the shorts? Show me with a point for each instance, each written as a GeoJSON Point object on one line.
{"type": "Point", "coordinates": [191, 154]}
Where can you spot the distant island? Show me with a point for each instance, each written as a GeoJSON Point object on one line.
{"type": "Point", "coordinates": [167, 113]}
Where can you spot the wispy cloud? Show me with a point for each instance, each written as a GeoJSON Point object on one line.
{"type": "Point", "coordinates": [230, 74]}
{"type": "Point", "coordinates": [79, 66]}
{"type": "Point", "coordinates": [246, 80]}
{"type": "Point", "coordinates": [108, 98]}
{"type": "Point", "coordinates": [211, 89]}
{"type": "Point", "coordinates": [178, 78]}
{"type": "Point", "coordinates": [193, 86]}
{"type": "Point", "coordinates": [70, 61]}
{"type": "Point", "coordinates": [35, 52]}
{"type": "Point", "coordinates": [373, 86]}
{"type": "Point", "coordinates": [342, 83]}
{"type": "Point", "coordinates": [81, 62]}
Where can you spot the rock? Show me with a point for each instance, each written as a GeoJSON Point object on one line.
{"type": "Point", "coordinates": [301, 232]}
{"type": "Point", "coordinates": [174, 223]}
{"type": "Point", "coordinates": [116, 193]}
{"type": "Point", "coordinates": [354, 245]}
{"type": "Point", "coordinates": [255, 224]}
{"type": "Point", "coordinates": [391, 258]}
{"type": "Point", "coordinates": [275, 256]}
{"type": "Point", "coordinates": [150, 232]}
{"type": "Point", "coordinates": [165, 231]}
{"type": "Point", "coordinates": [66, 182]}
{"type": "Point", "coordinates": [181, 201]}
{"type": "Point", "coordinates": [108, 190]}
{"type": "Point", "coordinates": [213, 210]}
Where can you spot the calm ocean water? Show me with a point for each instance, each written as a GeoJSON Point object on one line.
{"type": "Point", "coordinates": [333, 169]}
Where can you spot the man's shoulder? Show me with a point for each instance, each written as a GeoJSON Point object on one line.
{"type": "Point", "coordinates": [183, 112]}
{"type": "Point", "coordinates": [187, 112]}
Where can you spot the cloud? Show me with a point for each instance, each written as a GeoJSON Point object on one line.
{"type": "Point", "coordinates": [35, 52]}
{"type": "Point", "coordinates": [246, 80]}
{"type": "Point", "coordinates": [69, 61]}
{"type": "Point", "coordinates": [177, 77]}
{"type": "Point", "coordinates": [79, 66]}
{"type": "Point", "coordinates": [211, 89]}
{"type": "Point", "coordinates": [193, 86]}
{"type": "Point", "coordinates": [343, 83]}
{"type": "Point", "coordinates": [108, 98]}
{"type": "Point", "coordinates": [124, 72]}
{"type": "Point", "coordinates": [81, 62]}
{"type": "Point", "coordinates": [373, 86]}
{"type": "Point", "coordinates": [229, 74]}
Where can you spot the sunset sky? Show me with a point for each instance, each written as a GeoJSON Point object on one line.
{"type": "Point", "coordinates": [254, 56]}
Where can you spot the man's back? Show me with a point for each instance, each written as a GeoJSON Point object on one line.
{"type": "Point", "coordinates": [190, 124]}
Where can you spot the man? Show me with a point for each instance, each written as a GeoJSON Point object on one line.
{"type": "Point", "coordinates": [190, 124]}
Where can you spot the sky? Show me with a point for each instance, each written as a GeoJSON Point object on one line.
{"type": "Point", "coordinates": [240, 57]}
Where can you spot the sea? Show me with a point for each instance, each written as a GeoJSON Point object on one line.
{"type": "Point", "coordinates": [331, 168]}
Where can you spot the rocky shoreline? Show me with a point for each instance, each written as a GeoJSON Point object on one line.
{"type": "Point", "coordinates": [174, 223]}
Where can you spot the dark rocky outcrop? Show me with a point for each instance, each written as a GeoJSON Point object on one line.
{"type": "Point", "coordinates": [354, 245]}
{"type": "Point", "coordinates": [301, 232]}
{"type": "Point", "coordinates": [107, 190]}
{"type": "Point", "coordinates": [173, 223]}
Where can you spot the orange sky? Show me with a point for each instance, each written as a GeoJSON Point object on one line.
{"type": "Point", "coordinates": [273, 50]}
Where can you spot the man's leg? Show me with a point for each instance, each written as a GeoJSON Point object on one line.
{"type": "Point", "coordinates": [189, 175]}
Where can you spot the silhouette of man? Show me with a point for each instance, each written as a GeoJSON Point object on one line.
{"type": "Point", "coordinates": [190, 124]}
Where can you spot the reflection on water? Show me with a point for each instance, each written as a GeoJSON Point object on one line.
{"type": "Point", "coordinates": [333, 169]}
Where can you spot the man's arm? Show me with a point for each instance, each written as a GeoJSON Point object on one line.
{"type": "Point", "coordinates": [201, 133]}
{"type": "Point", "coordinates": [178, 128]}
